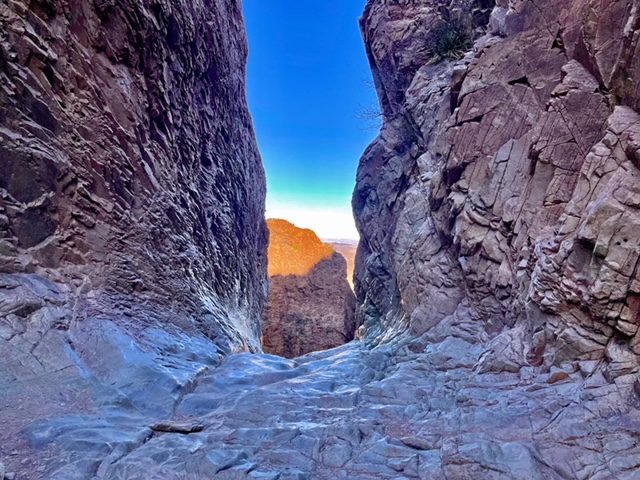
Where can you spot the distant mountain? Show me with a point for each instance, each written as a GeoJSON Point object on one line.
{"type": "Point", "coordinates": [311, 306]}
{"type": "Point", "coordinates": [347, 249]}
{"type": "Point", "coordinates": [293, 250]}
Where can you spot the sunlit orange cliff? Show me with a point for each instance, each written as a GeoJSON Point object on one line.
{"type": "Point", "coordinates": [311, 306]}
{"type": "Point", "coordinates": [293, 250]}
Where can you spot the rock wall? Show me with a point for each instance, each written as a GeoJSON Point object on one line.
{"type": "Point", "coordinates": [503, 188]}
{"type": "Point", "coordinates": [311, 306]}
{"type": "Point", "coordinates": [132, 235]}
{"type": "Point", "coordinates": [129, 157]}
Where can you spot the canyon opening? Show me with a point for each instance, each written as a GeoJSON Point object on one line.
{"type": "Point", "coordinates": [308, 82]}
{"type": "Point", "coordinates": [492, 327]}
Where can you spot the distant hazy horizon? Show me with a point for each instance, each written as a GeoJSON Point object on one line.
{"type": "Point", "coordinates": [330, 224]}
{"type": "Point", "coordinates": [308, 79]}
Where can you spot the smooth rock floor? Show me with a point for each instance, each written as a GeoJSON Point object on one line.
{"type": "Point", "coordinates": [355, 413]}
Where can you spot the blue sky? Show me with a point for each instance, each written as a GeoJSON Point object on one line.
{"type": "Point", "coordinates": [308, 83]}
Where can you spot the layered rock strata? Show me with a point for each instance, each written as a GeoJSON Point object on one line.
{"type": "Point", "coordinates": [310, 306]}
{"type": "Point", "coordinates": [503, 185]}
{"type": "Point", "coordinates": [132, 235]}
{"type": "Point", "coordinates": [498, 208]}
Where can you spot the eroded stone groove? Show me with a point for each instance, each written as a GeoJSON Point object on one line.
{"type": "Point", "coordinates": [497, 278]}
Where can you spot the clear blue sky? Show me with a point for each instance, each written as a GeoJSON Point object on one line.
{"type": "Point", "coordinates": [308, 83]}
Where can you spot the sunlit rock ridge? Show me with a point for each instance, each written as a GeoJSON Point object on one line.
{"type": "Point", "coordinates": [293, 250]}
{"type": "Point", "coordinates": [497, 278]}
{"type": "Point", "coordinates": [311, 305]}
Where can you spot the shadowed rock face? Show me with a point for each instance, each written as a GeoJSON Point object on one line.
{"type": "Point", "coordinates": [311, 306]}
{"type": "Point", "coordinates": [132, 237]}
{"type": "Point", "coordinates": [128, 157]}
{"type": "Point", "coordinates": [503, 184]}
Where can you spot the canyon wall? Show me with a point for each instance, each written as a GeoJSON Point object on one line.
{"type": "Point", "coordinates": [132, 234]}
{"type": "Point", "coordinates": [497, 276]}
{"type": "Point", "coordinates": [310, 306]}
{"type": "Point", "coordinates": [502, 194]}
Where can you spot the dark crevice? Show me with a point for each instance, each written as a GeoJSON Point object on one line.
{"type": "Point", "coordinates": [184, 428]}
{"type": "Point", "coordinates": [456, 89]}
{"type": "Point", "coordinates": [476, 119]}
{"type": "Point", "coordinates": [520, 81]}
{"type": "Point", "coordinates": [558, 42]}
{"type": "Point", "coordinates": [454, 174]}
{"type": "Point", "coordinates": [534, 156]}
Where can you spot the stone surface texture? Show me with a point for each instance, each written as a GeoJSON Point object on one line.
{"type": "Point", "coordinates": [499, 206]}
{"type": "Point", "coordinates": [505, 185]}
{"type": "Point", "coordinates": [497, 278]}
{"type": "Point", "coordinates": [128, 156]}
{"type": "Point", "coordinates": [132, 233]}
{"type": "Point", "coordinates": [311, 305]}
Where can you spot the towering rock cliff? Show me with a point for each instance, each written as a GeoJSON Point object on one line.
{"type": "Point", "coordinates": [503, 189]}
{"type": "Point", "coordinates": [310, 306]}
{"type": "Point", "coordinates": [128, 157]}
{"type": "Point", "coordinates": [497, 277]}
{"type": "Point", "coordinates": [132, 235]}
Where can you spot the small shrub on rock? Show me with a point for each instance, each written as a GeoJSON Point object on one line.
{"type": "Point", "coordinates": [451, 40]}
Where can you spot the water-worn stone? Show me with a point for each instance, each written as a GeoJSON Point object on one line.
{"type": "Point", "coordinates": [497, 276]}
{"type": "Point", "coordinates": [353, 412]}
{"type": "Point", "coordinates": [132, 237]}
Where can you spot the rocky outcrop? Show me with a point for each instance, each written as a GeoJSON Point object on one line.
{"type": "Point", "coordinates": [310, 306]}
{"type": "Point", "coordinates": [132, 237]}
{"type": "Point", "coordinates": [127, 155]}
{"type": "Point", "coordinates": [401, 40]}
{"type": "Point", "coordinates": [498, 208]}
{"type": "Point", "coordinates": [293, 250]}
{"type": "Point", "coordinates": [504, 180]}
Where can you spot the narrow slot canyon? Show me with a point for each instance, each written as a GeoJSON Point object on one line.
{"type": "Point", "coordinates": [160, 320]}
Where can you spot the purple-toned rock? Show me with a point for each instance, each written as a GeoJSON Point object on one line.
{"type": "Point", "coordinates": [503, 182]}
{"type": "Point", "coordinates": [499, 212]}
{"type": "Point", "coordinates": [132, 233]}
{"type": "Point", "coordinates": [129, 164]}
